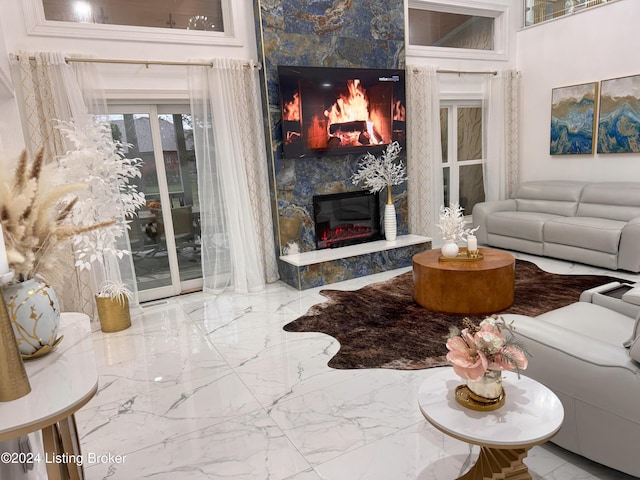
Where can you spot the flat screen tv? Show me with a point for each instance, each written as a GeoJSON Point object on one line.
{"type": "Point", "coordinates": [336, 111]}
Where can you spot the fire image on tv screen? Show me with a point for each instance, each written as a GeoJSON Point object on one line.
{"type": "Point", "coordinates": [334, 111]}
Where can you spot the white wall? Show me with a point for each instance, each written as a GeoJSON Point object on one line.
{"type": "Point", "coordinates": [593, 45]}
{"type": "Point", "coordinates": [121, 81]}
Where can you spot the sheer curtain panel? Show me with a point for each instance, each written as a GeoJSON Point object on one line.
{"type": "Point", "coordinates": [424, 150]}
{"type": "Point", "coordinates": [237, 234]}
{"type": "Point", "coordinates": [500, 136]}
{"type": "Point", "coordinates": [48, 90]}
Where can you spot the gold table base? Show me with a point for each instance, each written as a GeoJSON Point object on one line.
{"type": "Point", "coordinates": [499, 463]}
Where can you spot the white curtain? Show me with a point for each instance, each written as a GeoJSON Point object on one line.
{"type": "Point", "coordinates": [424, 152]}
{"type": "Point", "coordinates": [238, 247]}
{"type": "Point", "coordinates": [49, 89]}
{"type": "Point", "coordinates": [500, 135]}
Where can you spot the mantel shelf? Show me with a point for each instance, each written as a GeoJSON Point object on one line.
{"type": "Point", "coordinates": [330, 254]}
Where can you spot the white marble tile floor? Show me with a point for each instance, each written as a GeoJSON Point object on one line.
{"type": "Point", "coordinates": [211, 387]}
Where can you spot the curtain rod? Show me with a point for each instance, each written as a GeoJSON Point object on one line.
{"type": "Point", "coordinates": [146, 62]}
{"type": "Point", "coordinates": [460, 72]}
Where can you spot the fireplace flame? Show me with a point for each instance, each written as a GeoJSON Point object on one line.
{"type": "Point", "coordinates": [291, 110]}
{"type": "Point", "coordinates": [399, 111]}
{"type": "Point", "coordinates": [352, 110]}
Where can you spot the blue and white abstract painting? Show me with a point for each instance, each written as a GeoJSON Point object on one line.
{"type": "Point", "coordinates": [619, 122]}
{"type": "Point", "coordinates": [573, 119]}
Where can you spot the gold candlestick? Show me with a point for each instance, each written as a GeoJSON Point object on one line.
{"type": "Point", "coordinates": [14, 382]}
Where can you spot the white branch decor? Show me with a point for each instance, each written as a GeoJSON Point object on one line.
{"type": "Point", "coordinates": [379, 172]}
{"type": "Point", "coordinates": [116, 290]}
{"type": "Point", "coordinates": [452, 223]}
{"type": "Point", "coordinates": [100, 163]}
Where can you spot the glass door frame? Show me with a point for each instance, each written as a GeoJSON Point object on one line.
{"type": "Point", "coordinates": [452, 162]}
{"type": "Point", "coordinates": [177, 287]}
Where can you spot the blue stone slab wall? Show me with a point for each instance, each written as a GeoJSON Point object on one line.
{"type": "Point", "coordinates": [321, 33]}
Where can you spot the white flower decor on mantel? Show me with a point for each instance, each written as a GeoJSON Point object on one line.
{"type": "Point", "coordinates": [379, 172]}
{"type": "Point", "coordinates": [452, 225]}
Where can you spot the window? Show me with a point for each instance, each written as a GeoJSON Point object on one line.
{"type": "Point", "coordinates": [199, 22]}
{"type": "Point", "coordinates": [190, 15]}
{"type": "Point", "coordinates": [538, 11]}
{"type": "Point", "coordinates": [462, 154]}
{"type": "Point", "coordinates": [442, 29]}
{"type": "Point", "coordinates": [457, 29]}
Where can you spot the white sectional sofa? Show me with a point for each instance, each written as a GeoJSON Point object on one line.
{"type": "Point", "coordinates": [589, 355]}
{"type": "Point", "coordinates": [596, 223]}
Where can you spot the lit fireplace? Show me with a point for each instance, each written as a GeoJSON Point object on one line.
{"type": "Point", "coordinates": [346, 218]}
{"type": "Point", "coordinates": [327, 110]}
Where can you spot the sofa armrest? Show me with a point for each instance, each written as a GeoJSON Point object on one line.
{"type": "Point", "coordinates": [629, 249]}
{"type": "Point", "coordinates": [483, 209]}
{"type": "Point", "coordinates": [579, 366]}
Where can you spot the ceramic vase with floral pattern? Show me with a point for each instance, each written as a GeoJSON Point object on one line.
{"type": "Point", "coordinates": [34, 311]}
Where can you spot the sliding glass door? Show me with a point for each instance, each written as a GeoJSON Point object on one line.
{"type": "Point", "coordinates": [165, 235]}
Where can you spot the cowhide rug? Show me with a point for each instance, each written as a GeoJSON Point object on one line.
{"type": "Point", "coordinates": [381, 326]}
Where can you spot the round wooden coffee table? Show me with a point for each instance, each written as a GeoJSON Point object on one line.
{"type": "Point", "coordinates": [483, 286]}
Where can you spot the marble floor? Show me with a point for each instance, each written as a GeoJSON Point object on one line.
{"type": "Point", "coordinates": [211, 387]}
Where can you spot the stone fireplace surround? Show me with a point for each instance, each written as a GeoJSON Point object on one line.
{"type": "Point", "coordinates": [320, 267]}
{"type": "Point", "coordinates": [362, 35]}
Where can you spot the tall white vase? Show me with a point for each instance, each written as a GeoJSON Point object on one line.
{"type": "Point", "coordinates": [390, 227]}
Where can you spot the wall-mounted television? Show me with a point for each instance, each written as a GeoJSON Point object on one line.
{"type": "Point", "coordinates": [338, 111]}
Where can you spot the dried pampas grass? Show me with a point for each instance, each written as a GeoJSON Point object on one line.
{"type": "Point", "coordinates": [35, 215]}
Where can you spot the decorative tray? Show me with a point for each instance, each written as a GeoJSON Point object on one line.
{"type": "Point", "coordinates": [463, 256]}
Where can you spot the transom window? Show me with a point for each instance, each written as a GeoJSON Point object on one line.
{"type": "Point", "coordinates": [180, 14]}
{"type": "Point", "coordinates": [457, 29]}
{"type": "Point", "coordinates": [430, 28]}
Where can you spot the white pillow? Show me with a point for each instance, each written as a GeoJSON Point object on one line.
{"type": "Point", "coordinates": [635, 335]}
{"type": "Point", "coordinates": [632, 296]}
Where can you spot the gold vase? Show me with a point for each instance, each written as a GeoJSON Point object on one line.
{"type": "Point", "coordinates": [488, 389]}
{"type": "Point", "coordinates": [14, 382]}
{"type": "Point", "coordinates": [113, 313]}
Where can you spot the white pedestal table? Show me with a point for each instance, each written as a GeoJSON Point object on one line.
{"type": "Point", "coordinates": [531, 415]}
{"type": "Point", "coordinates": [62, 382]}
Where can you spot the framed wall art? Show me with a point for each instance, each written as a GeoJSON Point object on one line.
{"type": "Point", "coordinates": [619, 121]}
{"type": "Point", "coordinates": [573, 114]}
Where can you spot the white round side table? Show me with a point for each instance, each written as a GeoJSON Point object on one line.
{"type": "Point", "coordinates": [531, 415]}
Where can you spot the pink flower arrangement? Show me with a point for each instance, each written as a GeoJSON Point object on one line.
{"type": "Point", "coordinates": [478, 348]}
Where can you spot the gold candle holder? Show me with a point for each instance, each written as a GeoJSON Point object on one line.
{"type": "Point", "coordinates": [14, 382]}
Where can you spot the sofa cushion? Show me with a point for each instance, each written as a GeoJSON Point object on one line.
{"type": "Point", "coordinates": [592, 321]}
{"type": "Point", "coordinates": [556, 197]}
{"type": "Point", "coordinates": [590, 233]}
{"type": "Point", "coordinates": [612, 200]}
{"type": "Point", "coordinates": [526, 225]}
{"type": "Point", "coordinates": [632, 296]}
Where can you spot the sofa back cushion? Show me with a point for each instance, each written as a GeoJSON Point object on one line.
{"type": "Point", "coordinates": [557, 197]}
{"type": "Point", "coordinates": [613, 200]}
